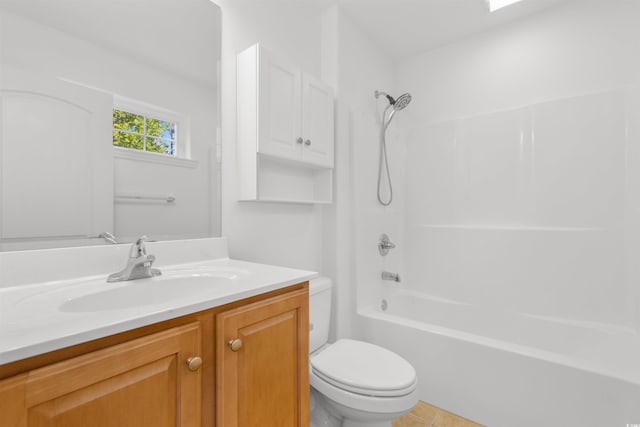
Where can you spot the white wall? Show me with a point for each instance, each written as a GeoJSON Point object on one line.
{"type": "Point", "coordinates": [281, 234]}
{"type": "Point", "coordinates": [357, 67]}
{"type": "Point", "coordinates": [47, 51]}
{"type": "Point", "coordinates": [328, 45]}
{"type": "Point", "coordinates": [522, 172]}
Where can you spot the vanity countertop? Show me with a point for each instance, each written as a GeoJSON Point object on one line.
{"type": "Point", "coordinates": [36, 318]}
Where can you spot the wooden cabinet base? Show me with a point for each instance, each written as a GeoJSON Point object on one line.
{"type": "Point", "coordinates": [149, 377]}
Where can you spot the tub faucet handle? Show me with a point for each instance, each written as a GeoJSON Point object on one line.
{"type": "Point", "coordinates": [385, 245]}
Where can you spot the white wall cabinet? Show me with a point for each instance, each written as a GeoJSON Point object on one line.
{"type": "Point", "coordinates": [285, 130]}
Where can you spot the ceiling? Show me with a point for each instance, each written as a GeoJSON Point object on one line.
{"type": "Point", "coordinates": [403, 28]}
{"type": "Point", "coordinates": [180, 36]}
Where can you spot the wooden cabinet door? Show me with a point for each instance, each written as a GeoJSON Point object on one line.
{"type": "Point", "coordinates": [265, 381]}
{"type": "Point", "coordinates": [317, 122]}
{"type": "Point", "coordinates": [279, 107]}
{"type": "Point", "coordinates": [144, 382]}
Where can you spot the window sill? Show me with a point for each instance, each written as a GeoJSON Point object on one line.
{"type": "Point", "coordinates": [145, 156]}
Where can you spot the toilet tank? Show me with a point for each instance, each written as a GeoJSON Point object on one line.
{"type": "Point", "coordinates": [319, 312]}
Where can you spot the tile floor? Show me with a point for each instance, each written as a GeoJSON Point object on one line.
{"type": "Point", "coordinates": [425, 415]}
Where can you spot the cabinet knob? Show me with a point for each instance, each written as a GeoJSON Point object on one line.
{"type": "Point", "coordinates": [235, 344]}
{"type": "Point", "coordinates": [299, 140]}
{"type": "Point", "coordinates": [194, 363]}
{"type": "Point", "coordinates": [307, 142]}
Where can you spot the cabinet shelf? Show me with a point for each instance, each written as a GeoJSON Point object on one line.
{"type": "Point", "coordinates": [280, 180]}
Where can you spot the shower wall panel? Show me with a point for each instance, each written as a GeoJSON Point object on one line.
{"type": "Point", "coordinates": [530, 209]}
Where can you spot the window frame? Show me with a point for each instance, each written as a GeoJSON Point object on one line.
{"type": "Point", "coordinates": [182, 149]}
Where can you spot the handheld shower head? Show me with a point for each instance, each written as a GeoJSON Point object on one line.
{"type": "Point", "coordinates": [401, 102]}
{"type": "Point", "coordinates": [398, 104]}
{"type": "Point", "coordinates": [394, 105]}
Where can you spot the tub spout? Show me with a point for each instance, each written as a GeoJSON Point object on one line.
{"type": "Point", "coordinates": [395, 277]}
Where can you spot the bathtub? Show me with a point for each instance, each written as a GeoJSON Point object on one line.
{"type": "Point", "coordinates": [511, 369]}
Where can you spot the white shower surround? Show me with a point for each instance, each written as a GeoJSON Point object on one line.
{"type": "Point", "coordinates": [520, 287]}
{"type": "Point", "coordinates": [517, 221]}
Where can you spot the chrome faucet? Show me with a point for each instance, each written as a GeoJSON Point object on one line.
{"type": "Point", "coordinates": [395, 277]}
{"type": "Point", "coordinates": [138, 265]}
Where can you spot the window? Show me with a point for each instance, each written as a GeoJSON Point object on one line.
{"type": "Point", "coordinates": [144, 132]}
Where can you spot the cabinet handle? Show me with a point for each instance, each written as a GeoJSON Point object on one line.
{"type": "Point", "coordinates": [235, 344]}
{"type": "Point", "coordinates": [307, 142]}
{"type": "Point", "coordinates": [299, 140]}
{"type": "Point", "coordinates": [194, 363]}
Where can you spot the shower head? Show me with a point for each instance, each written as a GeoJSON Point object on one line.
{"type": "Point", "coordinates": [398, 104]}
{"type": "Point", "coordinates": [401, 102]}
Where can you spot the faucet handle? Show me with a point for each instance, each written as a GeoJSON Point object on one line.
{"type": "Point", "coordinates": [138, 249]}
{"type": "Point", "coordinates": [384, 245]}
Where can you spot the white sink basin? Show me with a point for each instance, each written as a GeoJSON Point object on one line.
{"type": "Point", "coordinates": [157, 290]}
{"type": "Point", "coordinates": [170, 286]}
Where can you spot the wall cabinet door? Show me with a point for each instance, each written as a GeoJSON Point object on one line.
{"type": "Point", "coordinates": [317, 122]}
{"type": "Point", "coordinates": [279, 108]}
{"type": "Point", "coordinates": [282, 112]}
{"type": "Point", "coordinates": [262, 372]}
{"type": "Point", "coordinates": [144, 382]}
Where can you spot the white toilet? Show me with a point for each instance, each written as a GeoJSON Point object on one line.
{"type": "Point", "coordinates": [356, 383]}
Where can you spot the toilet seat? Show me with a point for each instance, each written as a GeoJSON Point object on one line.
{"type": "Point", "coordinates": [365, 369]}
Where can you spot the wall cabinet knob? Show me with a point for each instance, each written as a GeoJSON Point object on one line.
{"type": "Point", "coordinates": [194, 363]}
{"type": "Point", "coordinates": [307, 142]}
{"type": "Point", "coordinates": [235, 344]}
{"type": "Point", "coordinates": [299, 140]}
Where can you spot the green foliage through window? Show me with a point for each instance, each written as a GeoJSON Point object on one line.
{"type": "Point", "coordinates": [137, 132]}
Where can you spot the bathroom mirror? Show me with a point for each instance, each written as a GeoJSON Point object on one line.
{"type": "Point", "coordinates": [110, 122]}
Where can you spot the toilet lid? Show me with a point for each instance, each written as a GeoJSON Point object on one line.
{"type": "Point", "coordinates": [364, 368]}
